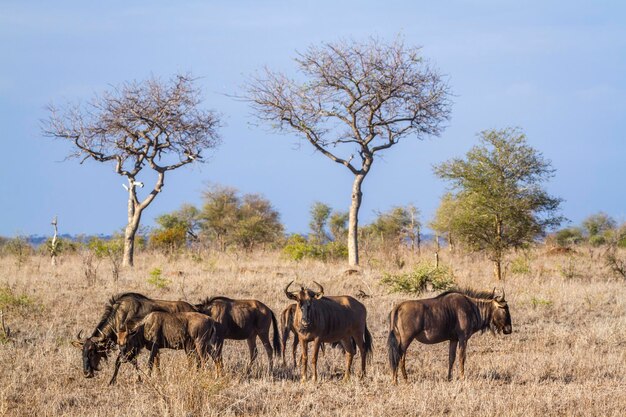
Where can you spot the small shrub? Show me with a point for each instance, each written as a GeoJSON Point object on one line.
{"type": "Point", "coordinates": [616, 264]}
{"type": "Point", "coordinates": [538, 302]}
{"type": "Point", "coordinates": [109, 249]}
{"type": "Point", "coordinates": [597, 240]}
{"type": "Point", "coordinates": [568, 270]}
{"type": "Point", "coordinates": [169, 240]}
{"type": "Point", "coordinates": [19, 248]}
{"type": "Point", "coordinates": [298, 248]}
{"type": "Point", "coordinates": [9, 300]}
{"type": "Point", "coordinates": [425, 274]}
{"type": "Point", "coordinates": [157, 279]}
{"type": "Point", "coordinates": [520, 266]}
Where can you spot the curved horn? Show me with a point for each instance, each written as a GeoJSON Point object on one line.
{"type": "Point", "coordinates": [320, 293]}
{"type": "Point", "coordinates": [493, 293]}
{"type": "Point", "coordinates": [289, 294]}
{"type": "Point", "coordinates": [503, 295]}
{"type": "Point", "coordinates": [79, 335]}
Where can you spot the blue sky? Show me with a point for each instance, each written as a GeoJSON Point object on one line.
{"type": "Point", "coordinates": [557, 69]}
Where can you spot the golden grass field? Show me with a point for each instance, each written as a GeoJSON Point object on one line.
{"type": "Point", "coordinates": [566, 356]}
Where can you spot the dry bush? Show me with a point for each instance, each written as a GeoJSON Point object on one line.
{"type": "Point", "coordinates": [566, 355]}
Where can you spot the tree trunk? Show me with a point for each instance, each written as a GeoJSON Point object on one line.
{"type": "Point", "coordinates": [135, 208]}
{"type": "Point", "coordinates": [129, 239]}
{"type": "Point", "coordinates": [353, 221]}
{"type": "Point", "coordinates": [497, 269]}
{"type": "Point", "coordinates": [497, 260]}
{"type": "Point", "coordinates": [134, 215]}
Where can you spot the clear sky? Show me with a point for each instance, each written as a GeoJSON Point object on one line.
{"type": "Point", "coordinates": [557, 69]}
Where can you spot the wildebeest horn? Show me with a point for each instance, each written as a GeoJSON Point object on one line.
{"type": "Point", "coordinates": [320, 293]}
{"type": "Point", "coordinates": [503, 295]}
{"type": "Point", "coordinates": [493, 293]}
{"type": "Point", "coordinates": [79, 342]}
{"type": "Point", "coordinates": [289, 294]}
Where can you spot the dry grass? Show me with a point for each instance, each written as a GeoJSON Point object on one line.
{"type": "Point", "coordinates": [566, 356]}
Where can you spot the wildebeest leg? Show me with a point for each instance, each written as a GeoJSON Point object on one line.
{"type": "Point", "coordinates": [404, 347]}
{"type": "Point", "coordinates": [451, 357]}
{"type": "Point", "coordinates": [253, 351]}
{"type": "Point", "coordinates": [118, 362]}
{"type": "Point", "coordinates": [294, 349]}
{"type": "Point", "coordinates": [347, 345]}
{"type": "Point", "coordinates": [265, 339]}
{"type": "Point", "coordinates": [303, 361]}
{"type": "Point", "coordinates": [136, 365]}
{"type": "Point", "coordinates": [403, 366]}
{"type": "Point", "coordinates": [462, 346]}
{"type": "Point", "coordinates": [154, 351]}
{"type": "Point", "coordinates": [216, 354]}
{"type": "Point", "coordinates": [361, 345]}
{"type": "Point", "coordinates": [316, 350]}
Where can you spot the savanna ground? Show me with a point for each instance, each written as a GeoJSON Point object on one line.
{"type": "Point", "coordinates": [566, 356]}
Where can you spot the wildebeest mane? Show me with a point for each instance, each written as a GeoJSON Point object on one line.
{"type": "Point", "coordinates": [470, 292]}
{"type": "Point", "coordinates": [111, 308]}
{"type": "Point", "coordinates": [209, 300]}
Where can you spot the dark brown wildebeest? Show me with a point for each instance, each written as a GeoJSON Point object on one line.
{"type": "Point", "coordinates": [287, 327]}
{"type": "Point", "coordinates": [453, 316]}
{"type": "Point", "coordinates": [196, 333]}
{"type": "Point", "coordinates": [244, 319]}
{"type": "Point", "coordinates": [124, 309]}
{"type": "Point", "coordinates": [321, 319]}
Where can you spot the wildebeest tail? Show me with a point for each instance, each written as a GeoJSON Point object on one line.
{"type": "Point", "coordinates": [393, 346]}
{"type": "Point", "coordinates": [276, 339]}
{"type": "Point", "coordinates": [369, 345]}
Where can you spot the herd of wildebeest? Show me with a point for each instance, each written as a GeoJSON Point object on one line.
{"type": "Point", "coordinates": [132, 321]}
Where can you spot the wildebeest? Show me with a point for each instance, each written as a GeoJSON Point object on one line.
{"type": "Point", "coordinates": [330, 319]}
{"type": "Point", "coordinates": [244, 319]}
{"type": "Point", "coordinates": [453, 316]}
{"type": "Point", "coordinates": [286, 326]}
{"type": "Point", "coordinates": [124, 309]}
{"type": "Point", "coordinates": [194, 332]}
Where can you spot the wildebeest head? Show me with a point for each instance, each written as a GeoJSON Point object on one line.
{"type": "Point", "coordinates": [129, 343]}
{"type": "Point", "coordinates": [306, 299]}
{"type": "Point", "coordinates": [94, 350]}
{"type": "Point", "coordinates": [501, 317]}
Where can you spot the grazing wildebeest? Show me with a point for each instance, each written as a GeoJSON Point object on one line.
{"type": "Point", "coordinates": [453, 316]}
{"type": "Point", "coordinates": [244, 319]}
{"type": "Point", "coordinates": [124, 309]}
{"type": "Point", "coordinates": [330, 319]}
{"type": "Point", "coordinates": [196, 333]}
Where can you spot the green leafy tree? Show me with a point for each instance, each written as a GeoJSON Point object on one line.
{"type": "Point", "coordinates": [338, 225]}
{"type": "Point", "coordinates": [176, 229]}
{"type": "Point", "coordinates": [391, 226]}
{"type": "Point", "coordinates": [219, 215]}
{"type": "Point", "coordinates": [599, 228]}
{"type": "Point", "coordinates": [320, 213]}
{"type": "Point", "coordinates": [500, 200]}
{"type": "Point", "coordinates": [445, 215]}
{"type": "Point", "coordinates": [258, 223]}
{"type": "Point", "coordinates": [569, 236]}
{"type": "Point", "coordinates": [246, 221]}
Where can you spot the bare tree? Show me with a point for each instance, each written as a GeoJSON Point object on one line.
{"type": "Point", "coordinates": [355, 101]}
{"type": "Point", "coordinates": [152, 124]}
